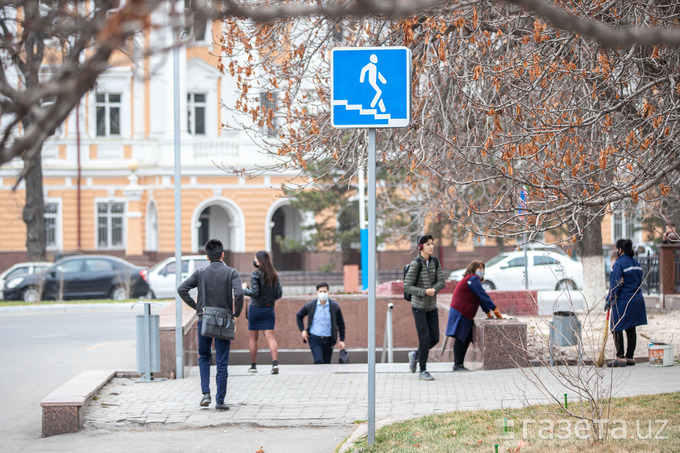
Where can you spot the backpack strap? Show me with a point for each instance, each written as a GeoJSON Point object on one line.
{"type": "Point", "coordinates": [420, 260]}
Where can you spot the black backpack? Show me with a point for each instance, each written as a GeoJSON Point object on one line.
{"type": "Point", "coordinates": [407, 296]}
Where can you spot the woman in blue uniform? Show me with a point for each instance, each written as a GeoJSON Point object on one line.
{"type": "Point", "coordinates": [626, 302]}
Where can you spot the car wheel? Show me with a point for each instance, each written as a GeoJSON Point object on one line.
{"type": "Point", "coordinates": [31, 295]}
{"type": "Point", "coordinates": [150, 295]}
{"type": "Point", "coordinates": [565, 284]}
{"type": "Point", "coordinates": [488, 286]}
{"type": "Point", "coordinates": [120, 293]}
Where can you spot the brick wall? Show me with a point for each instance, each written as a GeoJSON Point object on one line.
{"type": "Point", "coordinates": [509, 302]}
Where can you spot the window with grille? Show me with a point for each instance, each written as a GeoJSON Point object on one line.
{"type": "Point", "coordinates": [108, 108]}
{"type": "Point", "coordinates": [110, 225]}
{"type": "Point", "coordinates": [196, 105]}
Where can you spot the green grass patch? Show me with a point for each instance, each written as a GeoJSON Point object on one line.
{"type": "Point", "coordinates": [20, 303]}
{"type": "Point", "coordinates": [648, 423]}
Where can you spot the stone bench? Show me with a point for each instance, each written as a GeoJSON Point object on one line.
{"type": "Point", "coordinates": [61, 409]}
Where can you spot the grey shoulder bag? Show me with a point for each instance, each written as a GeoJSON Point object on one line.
{"type": "Point", "coordinates": [217, 322]}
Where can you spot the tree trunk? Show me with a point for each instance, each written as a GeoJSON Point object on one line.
{"type": "Point", "coordinates": [590, 250]}
{"type": "Point", "coordinates": [34, 213]}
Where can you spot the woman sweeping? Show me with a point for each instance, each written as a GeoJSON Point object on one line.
{"type": "Point", "coordinates": [467, 298]}
{"type": "Point", "coordinates": [626, 302]}
{"type": "Point", "coordinates": [264, 289]}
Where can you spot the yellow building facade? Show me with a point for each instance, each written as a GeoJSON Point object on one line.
{"type": "Point", "coordinates": [109, 170]}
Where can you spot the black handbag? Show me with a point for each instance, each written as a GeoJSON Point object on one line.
{"type": "Point", "coordinates": [217, 322]}
{"type": "Point", "coordinates": [344, 356]}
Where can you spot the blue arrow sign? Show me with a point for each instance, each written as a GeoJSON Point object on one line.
{"type": "Point", "coordinates": [370, 87]}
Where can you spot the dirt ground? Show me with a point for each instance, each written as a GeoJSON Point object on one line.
{"type": "Point", "coordinates": [663, 326]}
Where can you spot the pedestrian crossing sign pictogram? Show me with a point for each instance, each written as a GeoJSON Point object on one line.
{"type": "Point", "coordinates": [370, 87]}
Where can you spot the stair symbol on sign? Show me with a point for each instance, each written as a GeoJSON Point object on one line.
{"type": "Point", "coordinates": [362, 111]}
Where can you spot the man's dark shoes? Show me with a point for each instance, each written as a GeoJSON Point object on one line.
{"type": "Point", "coordinates": [205, 401]}
{"type": "Point", "coordinates": [630, 362]}
{"type": "Point", "coordinates": [459, 368]}
{"type": "Point", "coordinates": [221, 407]}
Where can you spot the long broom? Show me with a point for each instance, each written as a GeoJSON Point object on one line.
{"type": "Point", "coordinates": [600, 360]}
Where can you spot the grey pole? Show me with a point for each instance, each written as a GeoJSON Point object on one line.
{"type": "Point", "coordinates": [147, 341]}
{"type": "Point", "coordinates": [179, 359]}
{"type": "Point", "coordinates": [526, 265]}
{"type": "Point", "coordinates": [372, 266]}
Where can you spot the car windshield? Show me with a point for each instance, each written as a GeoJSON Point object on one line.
{"type": "Point", "coordinates": [496, 259]}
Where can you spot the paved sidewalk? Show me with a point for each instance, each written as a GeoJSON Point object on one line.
{"type": "Point", "coordinates": [336, 395]}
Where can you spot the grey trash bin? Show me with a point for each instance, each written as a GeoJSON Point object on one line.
{"type": "Point", "coordinates": [148, 343]}
{"type": "Point", "coordinates": [565, 330]}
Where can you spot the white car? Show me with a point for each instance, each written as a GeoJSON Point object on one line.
{"type": "Point", "coordinates": [547, 271]}
{"type": "Point", "coordinates": [162, 276]}
{"type": "Point", "coordinates": [21, 269]}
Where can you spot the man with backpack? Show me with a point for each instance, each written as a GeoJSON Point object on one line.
{"type": "Point", "coordinates": [423, 280]}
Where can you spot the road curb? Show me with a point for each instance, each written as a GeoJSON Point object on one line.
{"type": "Point", "coordinates": [362, 431]}
{"type": "Point", "coordinates": [70, 307]}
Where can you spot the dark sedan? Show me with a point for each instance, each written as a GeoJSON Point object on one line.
{"type": "Point", "coordinates": [81, 277]}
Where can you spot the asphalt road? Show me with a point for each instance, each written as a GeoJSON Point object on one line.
{"type": "Point", "coordinates": [43, 347]}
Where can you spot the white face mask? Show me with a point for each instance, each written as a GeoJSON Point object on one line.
{"type": "Point", "coordinates": [322, 296]}
{"type": "Point", "coordinates": [479, 273]}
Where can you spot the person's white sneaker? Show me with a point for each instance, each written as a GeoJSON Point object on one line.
{"type": "Point", "coordinates": [425, 376]}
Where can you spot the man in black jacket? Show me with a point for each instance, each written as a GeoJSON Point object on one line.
{"type": "Point", "coordinates": [324, 322]}
{"type": "Point", "coordinates": [221, 283]}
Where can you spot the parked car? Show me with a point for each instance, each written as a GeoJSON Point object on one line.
{"type": "Point", "coordinates": [21, 269]}
{"type": "Point", "coordinates": [162, 275]}
{"type": "Point", "coordinates": [81, 277]}
{"type": "Point", "coordinates": [537, 247]}
{"type": "Point", "coordinates": [547, 271]}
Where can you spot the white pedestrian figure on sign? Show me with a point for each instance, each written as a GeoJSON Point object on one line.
{"type": "Point", "coordinates": [373, 76]}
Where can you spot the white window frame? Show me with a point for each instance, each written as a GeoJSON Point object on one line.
{"type": "Point", "coordinates": [124, 225]}
{"type": "Point", "coordinates": [58, 227]}
{"type": "Point", "coordinates": [192, 105]}
{"type": "Point", "coordinates": [201, 78]}
{"type": "Point", "coordinates": [623, 218]}
{"type": "Point", "coordinates": [107, 104]}
{"type": "Point", "coordinates": [189, 27]}
{"type": "Point", "coordinates": [271, 132]}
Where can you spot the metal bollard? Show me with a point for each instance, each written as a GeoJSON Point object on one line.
{"type": "Point", "coordinates": [388, 346]}
{"type": "Point", "coordinates": [148, 343]}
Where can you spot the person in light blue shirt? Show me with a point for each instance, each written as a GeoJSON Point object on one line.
{"type": "Point", "coordinates": [324, 323]}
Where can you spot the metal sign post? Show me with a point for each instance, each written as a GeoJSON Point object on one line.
{"type": "Point", "coordinates": [371, 286]}
{"type": "Point", "coordinates": [371, 88]}
{"type": "Point", "coordinates": [179, 347]}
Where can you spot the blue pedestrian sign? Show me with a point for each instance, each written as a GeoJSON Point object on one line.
{"type": "Point", "coordinates": [370, 87]}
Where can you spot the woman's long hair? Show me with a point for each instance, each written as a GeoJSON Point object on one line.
{"type": "Point", "coordinates": [626, 246]}
{"type": "Point", "coordinates": [269, 274]}
{"type": "Point", "coordinates": [473, 266]}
